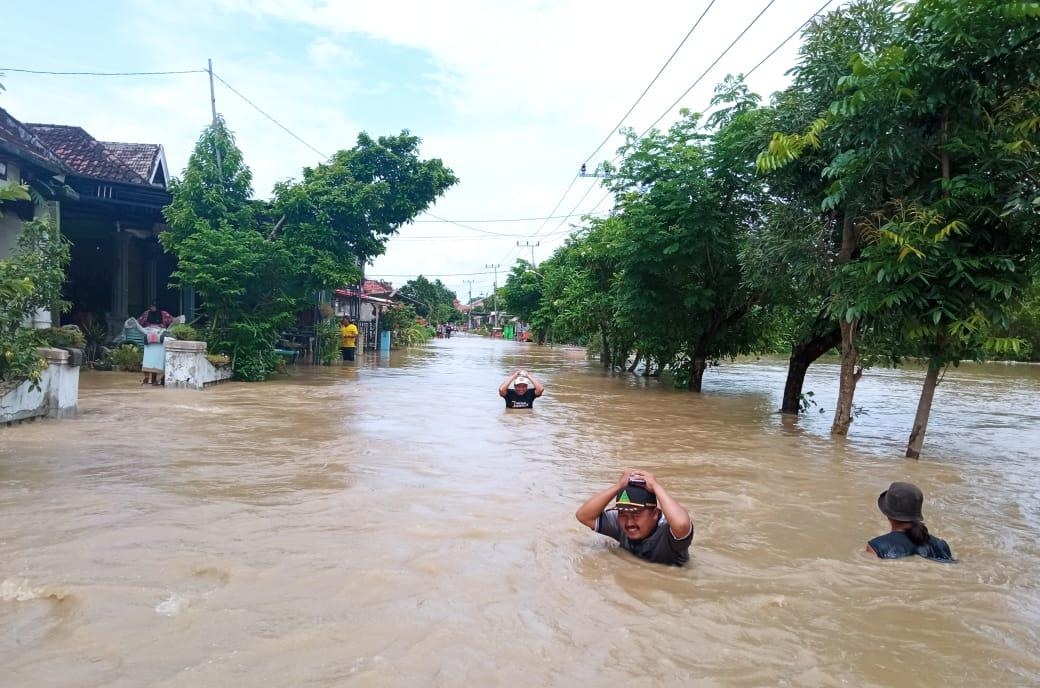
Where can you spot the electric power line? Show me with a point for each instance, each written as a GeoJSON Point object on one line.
{"type": "Point", "coordinates": [467, 237]}
{"type": "Point", "coordinates": [710, 67]}
{"type": "Point", "coordinates": [576, 205]}
{"type": "Point", "coordinates": [56, 73]}
{"type": "Point", "coordinates": [474, 229]}
{"type": "Point", "coordinates": [510, 219]}
{"type": "Point", "coordinates": [652, 82]}
{"type": "Point", "coordinates": [260, 110]}
{"type": "Point", "coordinates": [751, 71]}
{"type": "Point", "coordinates": [665, 113]}
{"type": "Point", "coordinates": [430, 274]}
{"type": "Point", "coordinates": [784, 42]}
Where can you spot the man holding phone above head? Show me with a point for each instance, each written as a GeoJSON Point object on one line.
{"type": "Point", "coordinates": [645, 520]}
{"type": "Point", "coordinates": [525, 390]}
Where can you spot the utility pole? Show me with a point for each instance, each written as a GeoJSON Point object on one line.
{"type": "Point", "coordinates": [528, 244]}
{"type": "Point", "coordinates": [469, 303]}
{"type": "Point", "coordinates": [496, 266]}
{"type": "Point", "coordinates": [213, 108]}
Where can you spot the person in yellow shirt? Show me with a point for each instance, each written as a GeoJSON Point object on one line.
{"type": "Point", "coordinates": [348, 333]}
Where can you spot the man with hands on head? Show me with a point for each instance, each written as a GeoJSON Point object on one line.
{"type": "Point", "coordinates": [645, 520]}
{"type": "Point", "coordinates": [527, 389]}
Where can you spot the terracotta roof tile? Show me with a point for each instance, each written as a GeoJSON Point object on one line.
{"type": "Point", "coordinates": [84, 154]}
{"type": "Point", "coordinates": [377, 287]}
{"type": "Point", "coordinates": [19, 140]}
{"type": "Point", "coordinates": [140, 157]}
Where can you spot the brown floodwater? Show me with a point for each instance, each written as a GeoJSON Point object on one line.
{"type": "Point", "coordinates": [390, 524]}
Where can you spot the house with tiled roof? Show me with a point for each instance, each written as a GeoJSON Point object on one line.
{"type": "Point", "coordinates": [108, 198]}
{"type": "Point", "coordinates": [146, 159]}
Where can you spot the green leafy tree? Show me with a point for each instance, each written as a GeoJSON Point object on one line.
{"type": "Point", "coordinates": [30, 280]}
{"type": "Point", "coordinates": [686, 206]}
{"type": "Point", "coordinates": [245, 279]}
{"type": "Point", "coordinates": [340, 215]}
{"type": "Point", "coordinates": [437, 302]}
{"type": "Point", "coordinates": [255, 265]}
{"type": "Point", "coordinates": [579, 292]}
{"type": "Point", "coordinates": [799, 244]}
{"type": "Point", "coordinates": [939, 128]}
{"type": "Point", "coordinates": [522, 291]}
{"type": "Point", "coordinates": [958, 240]}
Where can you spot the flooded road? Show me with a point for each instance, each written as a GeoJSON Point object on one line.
{"type": "Point", "coordinates": [390, 524]}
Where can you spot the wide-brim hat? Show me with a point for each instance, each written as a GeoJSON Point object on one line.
{"type": "Point", "coordinates": [522, 381]}
{"type": "Point", "coordinates": [902, 502]}
{"type": "Point", "coordinates": [634, 496]}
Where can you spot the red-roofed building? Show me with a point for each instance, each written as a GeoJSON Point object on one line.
{"type": "Point", "coordinates": [108, 199]}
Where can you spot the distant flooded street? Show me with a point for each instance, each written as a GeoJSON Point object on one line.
{"type": "Point", "coordinates": [390, 524]}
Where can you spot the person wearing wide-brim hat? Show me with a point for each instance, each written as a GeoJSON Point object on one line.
{"type": "Point", "coordinates": [901, 503]}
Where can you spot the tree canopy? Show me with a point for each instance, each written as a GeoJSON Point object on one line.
{"type": "Point", "coordinates": [886, 203]}
{"type": "Point", "coordinates": [256, 264]}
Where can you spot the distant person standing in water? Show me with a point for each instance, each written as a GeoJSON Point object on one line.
{"type": "Point", "coordinates": [154, 322]}
{"type": "Point", "coordinates": [348, 333]}
{"type": "Point", "coordinates": [645, 520]}
{"type": "Point", "coordinates": [901, 503]}
{"type": "Point", "coordinates": [526, 390]}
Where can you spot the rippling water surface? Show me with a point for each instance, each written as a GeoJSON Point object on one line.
{"type": "Point", "coordinates": [389, 524]}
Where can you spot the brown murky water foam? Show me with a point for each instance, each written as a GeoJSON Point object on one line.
{"type": "Point", "coordinates": [389, 524]}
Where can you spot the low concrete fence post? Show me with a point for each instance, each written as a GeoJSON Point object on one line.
{"type": "Point", "coordinates": [187, 366]}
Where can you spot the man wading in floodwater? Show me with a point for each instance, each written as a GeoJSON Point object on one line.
{"type": "Point", "coordinates": [646, 520]}
{"type": "Point", "coordinates": [523, 396]}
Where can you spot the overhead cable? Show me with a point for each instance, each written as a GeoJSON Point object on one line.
{"type": "Point", "coordinates": [510, 219]}
{"type": "Point", "coordinates": [474, 229]}
{"type": "Point", "coordinates": [621, 121]}
{"type": "Point", "coordinates": [788, 39]}
{"type": "Point", "coordinates": [751, 71]}
{"type": "Point", "coordinates": [256, 107]}
{"type": "Point", "coordinates": [710, 67]}
{"type": "Point", "coordinates": [54, 73]}
{"type": "Point", "coordinates": [428, 274]}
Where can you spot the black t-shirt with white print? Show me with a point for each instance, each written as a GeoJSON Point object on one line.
{"type": "Point", "coordinates": [514, 400]}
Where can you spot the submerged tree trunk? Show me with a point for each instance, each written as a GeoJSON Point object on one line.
{"type": "Point", "coordinates": [635, 362]}
{"type": "Point", "coordinates": [652, 367]}
{"type": "Point", "coordinates": [697, 365]}
{"type": "Point", "coordinates": [803, 355]}
{"type": "Point", "coordinates": [604, 353]}
{"type": "Point", "coordinates": [924, 409]}
{"type": "Point", "coordinates": [850, 375]}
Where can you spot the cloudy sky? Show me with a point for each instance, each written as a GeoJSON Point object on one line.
{"type": "Point", "coordinates": [512, 95]}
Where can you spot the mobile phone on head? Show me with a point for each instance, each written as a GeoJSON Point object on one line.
{"type": "Point", "coordinates": [637, 481]}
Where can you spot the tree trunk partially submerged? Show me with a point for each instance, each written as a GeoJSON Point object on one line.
{"type": "Point", "coordinates": [850, 375]}
{"type": "Point", "coordinates": [803, 355]}
{"type": "Point", "coordinates": [924, 410]}
{"type": "Point", "coordinates": [697, 367]}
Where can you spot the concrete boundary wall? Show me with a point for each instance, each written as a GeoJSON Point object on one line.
{"type": "Point", "coordinates": [186, 366]}
{"type": "Point", "coordinates": [56, 397]}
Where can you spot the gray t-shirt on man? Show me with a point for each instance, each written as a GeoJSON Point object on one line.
{"type": "Point", "coordinates": [659, 547]}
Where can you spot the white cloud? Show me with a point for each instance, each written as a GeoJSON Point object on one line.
{"type": "Point", "coordinates": [327, 53]}
{"type": "Point", "coordinates": [528, 88]}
